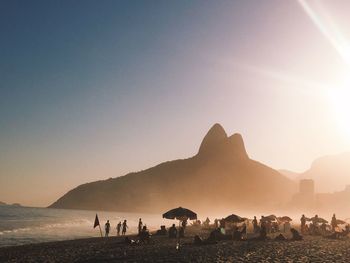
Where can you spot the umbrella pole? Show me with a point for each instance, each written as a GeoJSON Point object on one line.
{"type": "Point", "coordinates": [178, 237]}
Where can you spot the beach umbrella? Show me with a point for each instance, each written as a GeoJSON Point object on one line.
{"type": "Point", "coordinates": [319, 220]}
{"type": "Point", "coordinates": [340, 222]}
{"type": "Point", "coordinates": [234, 219]}
{"type": "Point", "coordinates": [284, 219]}
{"type": "Point", "coordinates": [272, 217]}
{"type": "Point", "coordinates": [269, 218]}
{"type": "Point", "coordinates": [180, 213]}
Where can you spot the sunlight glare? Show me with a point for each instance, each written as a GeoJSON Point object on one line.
{"type": "Point", "coordinates": [340, 100]}
{"type": "Point", "coordinates": [329, 29]}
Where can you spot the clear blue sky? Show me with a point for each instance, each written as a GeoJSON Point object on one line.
{"type": "Point", "coordinates": [96, 89]}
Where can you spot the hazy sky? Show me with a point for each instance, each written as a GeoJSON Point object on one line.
{"type": "Point", "coordinates": [96, 89]}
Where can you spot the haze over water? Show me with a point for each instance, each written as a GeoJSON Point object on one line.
{"type": "Point", "coordinates": [24, 225]}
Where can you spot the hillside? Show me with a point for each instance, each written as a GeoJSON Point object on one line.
{"type": "Point", "coordinates": [330, 173]}
{"type": "Point", "coordinates": [220, 176]}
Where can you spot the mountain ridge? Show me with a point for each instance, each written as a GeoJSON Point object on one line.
{"type": "Point", "coordinates": [220, 175]}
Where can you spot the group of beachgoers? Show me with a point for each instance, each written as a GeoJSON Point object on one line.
{"type": "Point", "coordinates": [120, 227]}
{"type": "Point", "coordinates": [143, 232]}
{"type": "Point", "coordinates": [222, 229]}
{"type": "Point", "coordinates": [320, 226]}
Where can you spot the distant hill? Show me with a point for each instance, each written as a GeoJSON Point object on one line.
{"type": "Point", "coordinates": [2, 203]}
{"type": "Point", "coordinates": [330, 173]}
{"type": "Point", "coordinates": [220, 176]}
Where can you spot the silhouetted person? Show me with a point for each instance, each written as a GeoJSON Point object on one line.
{"type": "Point", "coordinates": [222, 223]}
{"type": "Point", "coordinates": [262, 222]}
{"type": "Point", "coordinates": [107, 228]}
{"type": "Point", "coordinates": [263, 233]}
{"type": "Point", "coordinates": [207, 222]}
{"type": "Point", "coordinates": [162, 231]}
{"type": "Point", "coordinates": [182, 232]}
{"type": "Point", "coordinates": [216, 223]}
{"type": "Point", "coordinates": [255, 224]}
{"type": "Point", "coordinates": [237, 235]}
{"type": "Point", "coordinates": [184, 224]}
{"type": "Point", "coordinates": [315, 221]}
{"type": "Point", "coordinates": [215, 235]}
{"type": "Point", "coordinates": [125, 226]}
{"type": "Point", "coordinates": [140, 226]}
{"type": "Point", "coordinates": [323, 229]}
{"type": "Point", "coordinates": [303, 224]}
{"type": "Point", "coordinates": [144, 234]}
{"type": "Point", "coordinates": [295, 235]}
{"type": "Point", "coordinates": [119, 226]}
{"type": "Point", "coordinates": [334, 222]}
{"type": "Point", "coordinates": [268, 226]}
{"type": "Point", "coordinates": [172, 231]}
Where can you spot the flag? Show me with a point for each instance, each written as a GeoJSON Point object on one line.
{"type": "Point", "coordinates": [97, 222]}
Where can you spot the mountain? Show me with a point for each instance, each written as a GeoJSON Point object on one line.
{"type": "Point", "coordinates": [220, 176]}
{"type": "Point", "coordinates": [2, 203]}
{"type": "Point", "coordinates": [330, 173]}
{"type": "Point", "coordinates": [289, 174]}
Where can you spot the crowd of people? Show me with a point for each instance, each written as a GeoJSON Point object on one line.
{"type": "Point", "coordinates": [259, 229]}
{"type": "Point", "coordinates": [320, 226]}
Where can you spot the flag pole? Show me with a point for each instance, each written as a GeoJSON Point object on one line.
{"type": "Point", "coordinates": [100, 230]}
{"type": "Point", "coordinates": [97, 223]}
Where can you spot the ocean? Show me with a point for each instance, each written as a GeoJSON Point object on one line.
{"type": "Point", "coordinates": [26, 225]}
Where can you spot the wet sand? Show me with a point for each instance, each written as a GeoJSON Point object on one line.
{"type": "Point", "coordinates": [163, 249]}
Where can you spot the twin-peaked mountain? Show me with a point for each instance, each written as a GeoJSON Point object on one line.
{"type": "Point", "coordinates": [221, 176]}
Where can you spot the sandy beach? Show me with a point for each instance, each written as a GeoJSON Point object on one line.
{"type": "Point", "coordinates": [163, 249]}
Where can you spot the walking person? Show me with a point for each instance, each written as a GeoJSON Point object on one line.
{"type": "Point", "coordinates": [107, 228]}
{"type": "Point", "coordinates": [255, 225]}
{"type": "Point", "coordinates": [140, 226]}
{"type": "Point", "coordinates": [303, 224]}
{"type": "Point", "coordinates": [119, 226]}
{"type": "Point", "coordinates": [334, 223]}
{"type": "Point", "coordinates": [125, 226]}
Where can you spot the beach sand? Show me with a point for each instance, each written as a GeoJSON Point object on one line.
{"type": "Point", "coordinates": [163, 249]}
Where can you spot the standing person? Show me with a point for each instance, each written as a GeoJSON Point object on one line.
{"type": "Point", "coordinates": [216, 223]}
{"type": "Point", "coordinates": [140, 226]}
{"type": "Point", "coordinates": [334, 222]}
{"type": "Point", "coordinates": [302, 224]}
{"type": "Point", "coordinates": [255, 224]}
{"type": "Point", "coordinates": [262, 222]}
{"type": "Point", "coordinates": [172, 231]}
{"type": "Point", "coordinates": [125, 226]}
{"type": "Point", "coordinates": [184, 224]}
{"type": "Point", "coordinates": [107, 228]}
{"type": "Point", "coordinates": [119, 226]}
{"type": "Point", "coordinates": [207, 222]}
{"type": "Point", "coordinates": [315, 229]}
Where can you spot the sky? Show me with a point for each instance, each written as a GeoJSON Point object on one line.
{"type": "Point", "coordinates": [96, 89]}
